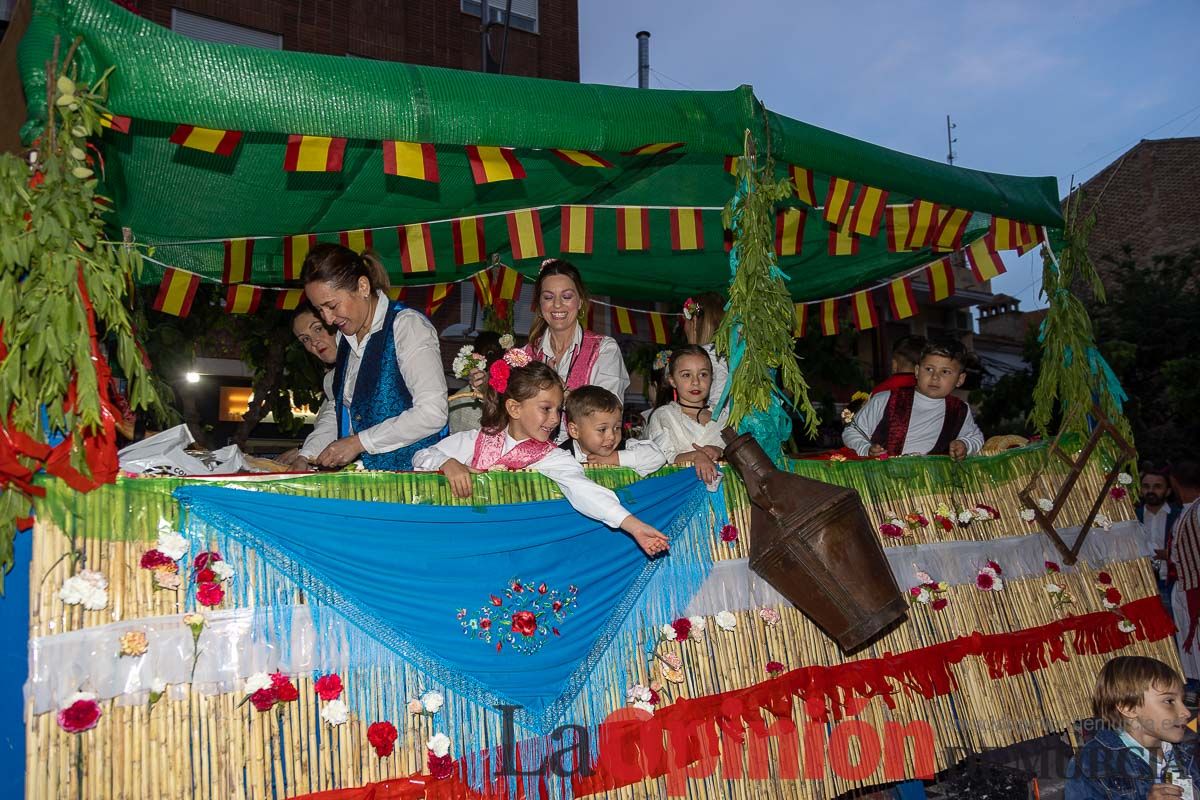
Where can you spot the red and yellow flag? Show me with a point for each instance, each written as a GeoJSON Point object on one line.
{"type": "Point", "coordinates": [1029, 236]}
{"type": "Point", "coordinates": [491, 164]}
{"type": "Point", "coordinates": [901, 298]}
{"type": "Point", "coordinates": [1005, 233]}
{"type": "Point", "coordinates": [940, 275]}
{"type": "Point", "coordinates": [437, 295]}
{"type": "Point", "coordinates": [687, 229]}
{"type": "Point", "coordinates": [732, 163]}
{"type": "Point", "coordinates": [923, 220]}
{"type": "Point", "coordinates": [397, 292]}
{"type": "Point", "coordinates": [838, 200]}
{"type": "Point", "coordinates": [239, 254]}
{"type": "Point", "coordinates": [295, 248]}
{"type": "Point", "coordinates": [985, 261]}
{"type": "Point", "coordinates": [633, 228]}
{"type": "Point", "coordinates": [802, 181]}
{"type": "Point", "coordinates": [410, 160]}
{"type": "Point", "coordinates": [314, 153]}
{"type": "Point", "coordinates": [578, 223]}
{"type": "Point", "coordinates": [868, 212]}
{"type": "Point", "coordinates": [829, 317]}
{"type": "Point", "coordinates": [209, 140]}
{"type": "Point", "coordinates": [899, 226]}
{"type": "Point", "coordinates": [468, 240]}
{"type": "Point", "coordinates": [115, 122]}
{"type": "Point", "coordinates": [359, 240]}
{"type": "Point", "coordinates": [789, 231]}
{"type": "Point", "coordinates": [658, 328]}
{"type": "Point", "coordinates": [483, 288]}
{"type": "Point", "coordinates": [176, 292]}
{"type": "Point", "coordinates": [800, 323]}
{"type": "Point", "coordinates": [288, 299]}
{"type": "Point", "coordinates": [950, 230]}
{"type": "Point", "coordinates": [589, 317]}
{"type": "Point", "coordinates": [863, 307]}
{"type": "Point", "coordinates": [525, 234]}
{"type": "Point", "coordinates": [623, 321]}
{"type": "Point", "coordinates": [582, 158]}
{"type": "Point", "coordinates": [416, 248]}
{"type": "Point", "coordinates": [508, 284]}
{"type": "Point", "coordinates": [653, 149]}
{"type": "Point", "coordinates": [842, 242]}
{"type": "Point", "coordinates": [242, 299]}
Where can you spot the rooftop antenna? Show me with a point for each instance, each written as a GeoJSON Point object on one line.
{"type": "Point", "coordinates": [643, 38]}
{"type": "Point", "coordinates": [950, 140]}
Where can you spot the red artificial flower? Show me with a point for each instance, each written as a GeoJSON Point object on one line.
{"type": "Point", "coordinates": [654, 698]}
{"type": "Point", "coordinates": [285, 690]}
{"type": "Point", "coordinates": [996, 567]}
{"type": "Point", "coordinates": [204, 559]}
{"type": "Point", "coordinates": [206, 575]}
{"type": "Point", "coordinates": [1052, 566]}
{"type": "Point", "coordinates": [943, 522]}
{"type": "Point", "coordinates": [328, 687]}
{"type": "Point", "coordinates": [80, 716]}
{"type": "Point", "coordinates": [517, 587]}
{"type": "Point", "coordinates": [984, 581]}
{"type": "Point", "coordinates": [264, 699]}
{"type": "Point", "coordinates": [37, 180]}
{"type": "Point", "coordinates": [915, 591]}
{"type": "Point", "coordinates": [682, 626]}
{"type": "Point", "coordinates": [210, 594]}
{"type": "Point", "coordinates": [440, 767]}
{"type": "Point", "coordinates": [729, 533]}
{"type": "Point", "coordinates": [774, 667]}
{"type": "Point", "coordinates": [1112, 595]}
{"type": "Point", "coordinates": [498, 374]}
{"type": "Point", "coordinates": [1118, 492]}
{"type": "Point", "coordinates": [940, 603]}
{"type": "Point", "coordinates": [485, 624]}
{"type": "Point", "coordinates": [1104, 577]}
{"type": "Point", "coordinates": [556, 605]}
{"type": "Point", "coordinates": [382, 736]}
{"type": "Point", "coordinates": [524, 623]}
{"type": "Point", "coordinates": [496, 601]}
{"type": "Point", "coordinates": [891, 531]}
{"type": "Point", "coordinates": [153, 559]}
{"type": "Point", "coordinates": [542, 588]}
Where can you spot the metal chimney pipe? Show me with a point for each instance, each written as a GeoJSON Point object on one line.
{"type": "Point", "coordinates": [643, 38]}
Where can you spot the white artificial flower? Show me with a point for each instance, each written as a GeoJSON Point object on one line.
{"type": "Point", "coordinates": [158, 686]}
{"type": "Point", "coordinates": [998, 585]}
{"type": "Point", "coordinates": [438, 744]}
{"type": "Point", "coordinates": [1045, 505]}
{"type": "Point", "coordinates": [222, 570]}
{"type": "Point", "coordinates": [1109, 606]}
{"type": "Point", "coordinates": [75, 698]}
{"type": "Point", "coordinates": [257, 681]}
{"type": "Point", "coordinates": [432, 702]}
{"type": "Point", "coordinates": [1053, 588]}
{"type": "Point", "coordinates": [507, 341]}
{"type": "Point", "coordinates": [965, 517]}
{"type": "Point", "coordinates": [697, 623]}
{"type": "Point", "coordinates": [1124, 479]}
{"type": "Point", "coordinates": [171, 544]}
{"type": "Point", "coordinates": [1125, 626]}
{"type": "Point", "coordinates": [668, 632]}
{"type": "Point", "coordinates": [923, 596]}
{"type": "Point", "coordinates": [637, 694]}
{"type": "Point", "coordinates": [1102, 521]}
{"type": "Point", "coordinates": [335, 712]}
{"type": "Point", "coordinates": [649, 709]}
{"type": "Point", "coordinates": [726, 620]}
{"type": "Point", "coordinates": [1028, 514]}
{"type": "Point", "coordinates": [87, 588]}
{"type": "Point", "coordinates": [989, 571]}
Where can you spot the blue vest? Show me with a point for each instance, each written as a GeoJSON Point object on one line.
{"type": "Point", "coordinates": [380, 393]}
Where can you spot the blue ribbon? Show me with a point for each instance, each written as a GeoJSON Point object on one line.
{"type": "Point", "coordinates": [1113, 386]}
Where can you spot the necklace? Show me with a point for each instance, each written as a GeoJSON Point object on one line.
{"type": "Point", "coordinates": [686, 405]}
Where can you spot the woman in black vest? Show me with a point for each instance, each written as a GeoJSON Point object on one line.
{"type": "Point", "coordinates": [389, 383]}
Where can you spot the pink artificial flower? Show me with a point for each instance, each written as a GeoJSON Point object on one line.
{"type": "Point", "coordinates": [985, 581]}
{"type": "Point", "coordinates": [729, 533]}
{"type": "Point", "coordinates": [1118, 492]}
{"type": "Point", "coordinates": [774, 667]}
{"type": "Point", "coordinates": [153, 559]}
{"type": "Point", "coordinates": [204, 559]}
{"type": "Point", "coordinates": [940, 603]}
{"type": "Point", "coordinates": [1052, 566]}
{"type": "Point", "coordinates": [264, 699]}
{"type": "Point", "coordinates": [440, 767]}
{"type": "Point", "coordinates": [995, 567]}
{"type": "Point", "coordinates": [80, 716]}
{"type": "Point", "coordinates": [891, 531]}
{"type": "Point", "coordinates": [209, 594]}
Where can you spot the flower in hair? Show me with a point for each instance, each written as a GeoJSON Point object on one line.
{"type": "Point", "coordinates": [691, 309]}
{"type": "Point", "coordinates": [516, 358]}
{"type": "Point", "coordinates": [661, 359]}
{"type": "Point", "coordinates": [498, 374]}
{"type": "Point", "coordinates": [507, 342]}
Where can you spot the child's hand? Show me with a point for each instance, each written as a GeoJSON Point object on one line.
{"type": "Point", "coordinates": [1164, 791]}
{"type": "Point", "coordinates": [476, 379]}
{"type": "Point", "coordinates": [876, 450]}
{"type": "Point", "coordinates": [651, 540]}
{"type": "Point", "coordinates": [706, 470]}
{"type": "Point", "coordinates": [715, 453]}
{"type": "Point", "coordinates": [958, 449]}
{"type": "Point", "coordinates": [612, 459]}
{"type": "Point", "coordinates": [459, 476]}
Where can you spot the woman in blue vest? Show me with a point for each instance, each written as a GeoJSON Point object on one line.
{"type": "Point", "coordinates": [388, 379]}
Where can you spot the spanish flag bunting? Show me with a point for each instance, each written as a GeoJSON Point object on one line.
{"type": "Point", "coordinates": [901, 298]}
{"type": "Point", "coordinates": [115, 122]}
{"type": "Point", "coordinates": [633, 228]}
{"type": "Point", "coordinates": [687, 229]}
{"type": "Point", "coordinates": [242, 299]}
{"type": "Point", "coordinates": [1029, 236]}
{"type": "Point", "coordinates": [800, 323]}
{"type": "Point", "coordinates": [416, 248]}
{"type": "Point", "coordinates": [288, 299]}
{"type": "Point", "coordinates": [209, 140]}
{"type": "Point", "coordinates": [940, 276]}
{"type": "Point", "coordinates": [868, 212]}
{"type": "Point", "coordinates": [802, 181]}
{"type": "Point", "coordinates": [238, 259]}
{"type": "Point", "coordinates": [176, 292]}
{"type": "Point", "coordinates": [789, 231]}
{"type": "Point", "coordinates": [578, 223]}
{"type": "Point", "coordinates": [863, 307]}
{"type": "Point", "coordinates": [658, 328]}
{"type": "Point", "coordinates": [899, 226]}
{"type": "Point", "coordinates": [410, 160]}
{"type": "Point", "coordinates": [491, 164]}
{"type": "Point", "coordinates": [397, 292]}
{"type": "Point", "coordinates": [923, 220]}
{"type": "Point", "coordinates": [582, 158]}
{"type": "Point", "coordinates": [507, 285]}
{"type": "Point", "coordinates": [357, 240]}
{"type": "Point", "coordinates": [950, 230]}
{"type": "Point", "coordinates": [468, 240]}
{"type": "Point", "coordinates": [829, 317]}
{"type": "Point", "coordinates": [295, 248]}
{"type": "Point", "coordinates": [985, 261]}
{"type": "Point", "coordinates": [525, 234]}
{"type": "Point", "coordinates": [653, 149]}
{"type": "Point", "coordinates": [732, 163]}
{"type": "Point", "coordinates": [437, 295]}
{"type": "Point", "coordinates": [483, 288]}
{"type": "Point", "coordinates": [589, 317]}
{"type": "Point", "coordinates": [623, 321]}
{"type": "Point", "coordinates": [314, 153]}
{"type": "Point", "coordinates": [838, 200]}
{"type": "Point", "coordinates": [1005, 233]}
{"type": "Point", "coordinates": [842, 242]}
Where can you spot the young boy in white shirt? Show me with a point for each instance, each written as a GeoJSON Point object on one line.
{"type": "Point", "coordinates": [594, 424]}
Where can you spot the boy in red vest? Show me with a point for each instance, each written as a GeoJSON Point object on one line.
{"type": "Point", "coordinates": [923, 420]}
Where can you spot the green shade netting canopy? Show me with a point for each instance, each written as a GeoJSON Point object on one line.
{"type": "Point", "coordinates": [185, 202]}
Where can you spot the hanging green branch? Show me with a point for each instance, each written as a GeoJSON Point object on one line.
{"type": "Point", "coordinates": [756, 334]}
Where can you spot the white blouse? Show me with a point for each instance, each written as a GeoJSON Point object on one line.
{"type": "Point", "coordinates": [675, 432]}
{"type": "Point", "coordinates": [640, 455]}
{"type": "Point", "coordinates": [609, 370]}
{"type": "Point", "coordinates": [419, 358]}
{"type": "Point", "coordinates": [720, 376]}
{"type": "Point", "coordinates": [585, 496]}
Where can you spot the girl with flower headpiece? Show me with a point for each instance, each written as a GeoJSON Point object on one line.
{"type": "Point", "coordinates": [522, 399]}
{"type": "Point", "coordinates": [702, 316]}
